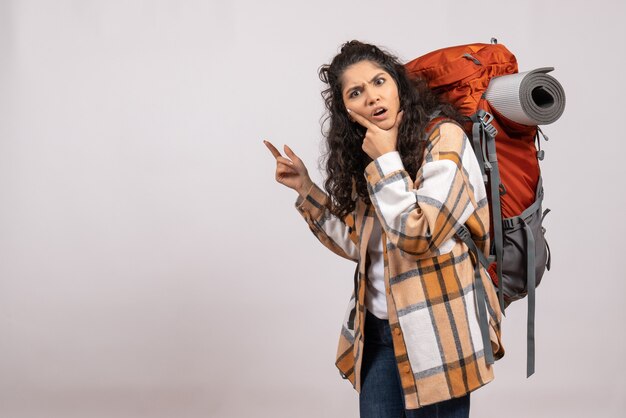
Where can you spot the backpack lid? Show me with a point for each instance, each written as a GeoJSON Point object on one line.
{"type": "Point", "coordinates": [454, 64]}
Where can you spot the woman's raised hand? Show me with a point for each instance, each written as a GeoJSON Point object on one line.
{"type": "Point", "coordinates": [378, 141]}
{"type": "Point", "coordinates": [291, 171]}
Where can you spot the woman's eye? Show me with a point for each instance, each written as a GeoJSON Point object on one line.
{"type": "Point", "coordinates": [382, 80]}
{"type": "Point", "coordinates": [353, 94]}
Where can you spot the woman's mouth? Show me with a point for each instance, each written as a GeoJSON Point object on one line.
{"type": "Point", "coordinates": [380, 114]}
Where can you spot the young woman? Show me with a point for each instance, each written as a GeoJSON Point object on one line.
{"type": "Point", "coordinates": [401, 180]}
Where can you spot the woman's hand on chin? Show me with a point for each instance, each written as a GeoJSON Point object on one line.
{"type": "Point", "coordinates": [378, 141]}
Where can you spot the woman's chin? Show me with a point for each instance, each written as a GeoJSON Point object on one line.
{"type": "Point", "coordinates": [384, 124]}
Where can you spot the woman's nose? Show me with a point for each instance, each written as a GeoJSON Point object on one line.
{"type": "Point", "coordinates": [371, 97]}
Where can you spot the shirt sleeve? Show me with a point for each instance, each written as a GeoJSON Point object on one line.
{"type": "Point", "coordinates": [421, 217]}
{"type": "Point", "coordinates": [338, 235]}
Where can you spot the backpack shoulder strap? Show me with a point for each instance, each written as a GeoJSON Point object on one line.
{"type": "Point", "coordinates": [436, 120]}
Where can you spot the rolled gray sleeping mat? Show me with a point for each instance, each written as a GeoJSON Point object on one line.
{"type": "Point", "coordinates": [530, 98]}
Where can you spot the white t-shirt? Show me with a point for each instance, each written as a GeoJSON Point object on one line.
{"type": "Point", "coordinates": [375, 298]}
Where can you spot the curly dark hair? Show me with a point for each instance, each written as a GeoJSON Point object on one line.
{"type": "Point", "coordinates": [344, 159]}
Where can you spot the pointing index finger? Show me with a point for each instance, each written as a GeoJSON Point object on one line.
{"type": "Point", "coordinates": [272, 149]}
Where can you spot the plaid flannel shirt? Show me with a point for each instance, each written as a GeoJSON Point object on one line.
{"type": "Point", "coordinates": [429, 273]}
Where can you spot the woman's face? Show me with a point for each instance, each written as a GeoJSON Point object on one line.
{"type": "Point", "coordinates": [371, 92]}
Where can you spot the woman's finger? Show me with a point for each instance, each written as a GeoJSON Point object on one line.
{"type": "Point", "coordinates": [282, 173]}
{"type": "Point", "coordinates": [272, 148]}
{"type": "Point", "coordinates": [284, 160]}
{"type": "Point", "coordinates": [285, 166]}
{"type": "Point", "coordinates": [292, 154]}
{"type": "Point", "coordinates": [398, 119]}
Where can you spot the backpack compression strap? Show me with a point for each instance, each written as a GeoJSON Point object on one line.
{"type": "Point", "coordinates": [480, 261]}
{"type": "Point", "coordinates": [531, 280]}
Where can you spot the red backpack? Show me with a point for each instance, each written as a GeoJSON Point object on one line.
{"type": "Point", "coordinates": [509, 160]}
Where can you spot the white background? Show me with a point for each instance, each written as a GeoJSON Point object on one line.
{"type": "Point", "coordinates": [150, 265]}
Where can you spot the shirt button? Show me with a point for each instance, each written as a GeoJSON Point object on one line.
{"type": "Point", "coordinates": [407, 369]}
{"type": "Point", "coordinates": [397, 330]}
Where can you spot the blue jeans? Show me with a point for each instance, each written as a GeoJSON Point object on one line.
{"type": "Point", "coordinates": [381, 391]}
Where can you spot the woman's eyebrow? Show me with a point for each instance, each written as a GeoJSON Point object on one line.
{"type": "Point", "coordinates": [348, 90]}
